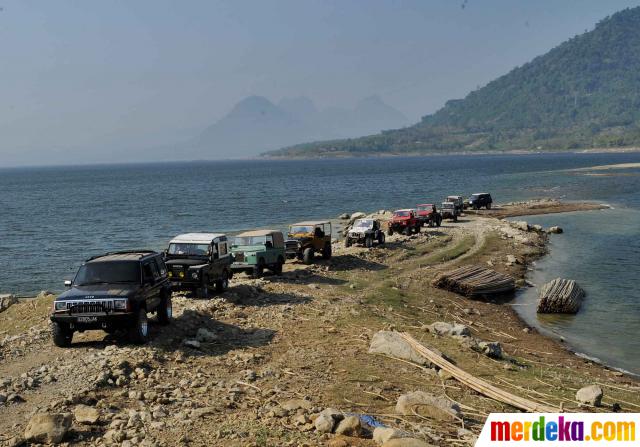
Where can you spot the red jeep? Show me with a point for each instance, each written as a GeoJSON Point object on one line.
{"type": "Point", "coordinates": [428, 214]}
{"type": "Point", "coordinates": [404, 221]}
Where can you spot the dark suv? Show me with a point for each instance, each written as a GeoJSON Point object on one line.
{"type": "Point", "coordinates": [114, 292]}
{"type": "Point", "coordinates": [479, 200]}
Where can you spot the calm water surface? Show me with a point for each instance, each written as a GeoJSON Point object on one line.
{"type": "Point", "coordinates": [53, 218]}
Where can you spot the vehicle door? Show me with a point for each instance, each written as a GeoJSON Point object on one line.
{"type": "Point", "coordinates": [318, 237]}
{"type": "Point", "coordinates": [224, 256]}
{"type": "Point", "coordinates": [213, 264]}
{"type": "Point", "coordinates": [270, 256]}
{"type": "Point", "coordinates": [151, 284]}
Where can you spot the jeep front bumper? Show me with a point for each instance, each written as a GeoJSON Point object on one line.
{"type": "Point", "coordinates": [90, 321]}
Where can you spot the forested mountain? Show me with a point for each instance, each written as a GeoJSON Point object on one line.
{"type": "Point", "coordinates": [583, 93]}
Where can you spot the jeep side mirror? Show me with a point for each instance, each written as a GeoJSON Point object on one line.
{"type": "Point", "coordinates": [68, 283]}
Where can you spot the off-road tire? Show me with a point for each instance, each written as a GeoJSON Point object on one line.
{"type": "Point", "coordinates": [439, 221]}
{"type": "Point", "coordinates": [326, 251]}
{"type": "Point", "coordinates": [258, 270]}
{"type": "Point", "coordinates": [223, 283]}
{"type": "Point", "coordinates": [62, 335]}
{"type": "Point", "coordinates": [347, 242]}
{"type": "Point", "coordinates": [165, 311]}
{"type": "Point", "coordinates": [455, 218]}
{"type": "Point", "coordinates": [418, 229]}
{"type": "Point", "coordinates": [488, 206]}
{"type": "Point", "coordinates": [390, 232]}
{"type": "Point", "coordinates": [139, 331]}
{"type": "Point", "coordinates": [407, 231]}
{"type": "Point", "coordinates": [381, 238]}
{"type": "Point", "coordinates": [368, 242]}
{"type": "Point", "coordinates": [277, 268]}
{"type": "Point", "coordinates": [203, 292]}
{"type": "Point", "coordinates": [431, 224]}
{"type": "Point", "coordinates": [308, 255]}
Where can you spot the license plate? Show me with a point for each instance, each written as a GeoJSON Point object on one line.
{"type": "Point", "coordinates": [87, 319]}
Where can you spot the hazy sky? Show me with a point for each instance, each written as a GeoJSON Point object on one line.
{"type": "Point", "coordinates": [79, 78]}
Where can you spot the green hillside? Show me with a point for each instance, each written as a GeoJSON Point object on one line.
{"type": "Point", "coordinates": [584, 93]}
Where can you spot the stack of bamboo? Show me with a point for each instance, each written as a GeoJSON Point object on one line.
{"type": "Point", "coordinates": [474, 280]}
{"type": "Point", "coordinates": [560, 296]}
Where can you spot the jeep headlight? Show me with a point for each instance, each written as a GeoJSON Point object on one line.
{"type": "Point", "coordinates": [181, 275]}
{"type": "Point", "coordinates": [120, 304]}
{"type": "Point", "coordinates": [60, 305]}
{"type": "Point", "coordinates": [170, 273]}
{"type": "Point", "coordinates": [194, 275]}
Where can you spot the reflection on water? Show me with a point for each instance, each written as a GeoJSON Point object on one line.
{"type": "Point", "coordinates": [600, 251]}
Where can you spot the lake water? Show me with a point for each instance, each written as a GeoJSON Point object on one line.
{"type": "Point", "coordinates": [53, 218]}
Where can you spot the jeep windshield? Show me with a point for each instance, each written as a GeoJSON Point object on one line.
{"type": "Point", "coordinates": [425, 208]}
{"type": "Point", "coordinates": [111, 272]}
{"type": "Point", "coordinates": [401, 214]}
{"type": "Point", "coordinates": [301, 229]}
{"type": "Point", "coordinates": [250, 240]}
{"type": "Point", "coordinates": [363, 224]}
{"type": "Point", "coordinates": [184, 249]}
{"type": "Point", "coordinates": [448, 205]}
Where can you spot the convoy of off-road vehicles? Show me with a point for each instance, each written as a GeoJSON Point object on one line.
{"type": "Point", "coordinates": [114, 292]}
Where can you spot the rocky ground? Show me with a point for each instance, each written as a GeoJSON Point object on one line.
{"type": "Point", "coordinates": [285, 360]}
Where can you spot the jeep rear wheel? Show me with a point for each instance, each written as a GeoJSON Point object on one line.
{"type": "Point", "coordinates": [165, 311]}
{"type": "Point", "coordinates": [347, 242]}
{"type": "Point", "coordinates": [381, 238]}
{"type": "Point", "coordinates": [277, 268]}
{"type": "Point", "coordinates": [417, 229]}
{"type": "Point", "coordinates": [368, 242]}
{"type": "Point", "coordinates": [307, 255]}
{"type": "Point", "coordinates": [390, 232]}
{"type": "Point", "coordinates": [488, 206]}
{"type": "Point", "coordinates": [455, 218]}
{"type": "Point", "coordinates": [326, 251]}
{"type": "Point", "coordinates": [62, 335]}
{"type": "Point", "coordinates": [139, 332]}
{"type": "Point", "coordinates": [223, 283]}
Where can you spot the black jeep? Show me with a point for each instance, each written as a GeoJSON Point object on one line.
{"type": "Point", "coordinates": [199, 262]}
{"type": "Point", "coordinates": [114, 292]}
{"type": "Point", "coordinates": [479, 200]}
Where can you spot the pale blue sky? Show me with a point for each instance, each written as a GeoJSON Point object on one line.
{"type": "Point", "coordinates": [87, 76]}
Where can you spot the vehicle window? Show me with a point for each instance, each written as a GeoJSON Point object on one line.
{"type": "Point", "coordinates": [250, 240]}
{"type": "Point", "coordinates": [222, 248]}
{"type": "Point", "coordinates": [364, 223]}
{"type": "Point", "coordinates": [401, 213]}
{"type": "Point", "coordinates": [162, 268]}
{"type": "Point", "coordinates": [147, 271]}
{"type": "Point", "coordinates": [188, 249]}
{"type": "Point", "coordinates": [108, 273]}
{"type": "Point", "coordinates": [300, 229]}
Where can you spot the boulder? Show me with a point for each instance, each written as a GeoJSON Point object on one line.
{"type": "Point", "coordinates": [383, 434]}
{"type": "Point", "coordinates": [7, 300]}
{"type": "Point", "coordinates": [345, 216]}
{"type": "Point", "coordinates": [406, 442]}
{"type": "Point", "coordinates": [443, 328]}
{"type": "Point", "coordinates": [428, 405]}
{"type": "Point", "coordinates": [195, 344]}
{"type": "Point", "coordinates": [204, 335]}
{"type": "Point", "coordinates": [590, 395]}
{"type": "Point", "coordinates": [326, 420]}
{"type": "Point", "coordinates": [391, 344]}
{"type": "Point", "coordinates": [355, 216]}
{"type": "Point", "coordinates": [349, 426]}
{"type": "Point", "coordinates": [520, 225]}
{"type": "Point", "coordinates": [538, 228]}
{"type": "Point", "coordinates": [555, 230]}
{"type": "Point", "coordinates": [47, 428]}
{"type": "Point", "coordinates": [85, 414]}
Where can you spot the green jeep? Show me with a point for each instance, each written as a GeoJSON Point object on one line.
{"type": "Point", "coordinates": [254, 251]}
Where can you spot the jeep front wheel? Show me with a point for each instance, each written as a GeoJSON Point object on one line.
{"type": "Point", "coordinates": [307, 256]}
{"type": "Point", "coordinates": [165, 311]}
{"type": "Point", "coordinates": [347, 242]}
{"type": "Point", "coordinates": [368, 242]}
{"type": "Point", "coordinates": [62, 335]}
{"type": "Point", "coordinates": [223, 283]}
{"type": "Point", "coordinates": [381, 238]}
{"type": "Point", "coordinates": [139, 331]}
{"type": "Point", "coordinates": [407, 231]}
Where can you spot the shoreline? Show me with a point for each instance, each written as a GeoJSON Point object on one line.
{"type": "Point", "coordinates": [305, 336]}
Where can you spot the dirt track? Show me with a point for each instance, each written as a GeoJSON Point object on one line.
{"type": "Point", "coordinates": [303, 335]}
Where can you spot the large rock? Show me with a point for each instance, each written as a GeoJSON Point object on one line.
{"type": "Point", "coordinates": [590, 395]}
{"type": "Point", "coordinates": [85, 414]}
{"type": "Point", "coordinates": [47, 428]}
{"type": "Point", "coordinates": [391, 344]}
{"type": "Point", "coordinates": [7, 300]}
{"type": "Point", "coordinates": [326, 420]}
{"type": "Point", "coordinates": [204, 335]}
{"type": "Point", "coordinates": [426, 404]}
{"type": "Point", "coordinates": [491, 349]}
{"type": "Point", "coordinates": [406, 442]}
{"type": "Point", "coordinates": [555, 230]}
{"type": "Point", "coordinates": [355, 216]}
{"type": "Point", "coordinates": [383, 434]}
{"type": "Point", "coordinates": [349, 426]}
{"type": "Point", "coordinates": [520, 225]}
{"type": "Point", "coordinates": [443, 328]}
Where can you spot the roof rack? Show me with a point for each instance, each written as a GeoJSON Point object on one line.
{"type": "Point", "coordinates": [145, 251]}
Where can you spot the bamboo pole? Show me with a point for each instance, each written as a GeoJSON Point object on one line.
{"type": "Point", "coordinates": [476, 384]}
